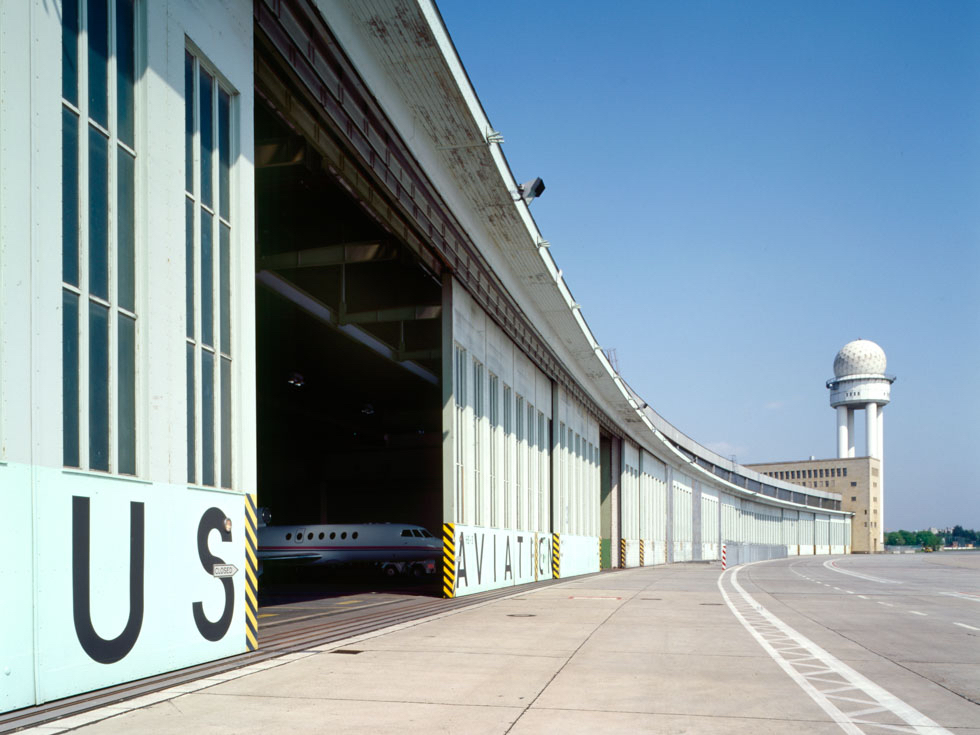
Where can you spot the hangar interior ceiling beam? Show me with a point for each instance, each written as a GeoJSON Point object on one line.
{"type": "Point", "coordinates": [403, 314]}
{"type": "Point", "coordinates": [326, 315]}
{"type": "Point", "coordinates": [341, 254]}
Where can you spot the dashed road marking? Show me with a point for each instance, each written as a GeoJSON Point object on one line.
{"type": "Point", "coordinates": [964, 625]}
{"type": "Point", "coordinates": [830, 682]}
{"type": "Point", "coordinates": [862, 597]}
{"type": "Point", "coordinates": [916, 612]}
{"type": "Point", "coordinates": [886, 604]}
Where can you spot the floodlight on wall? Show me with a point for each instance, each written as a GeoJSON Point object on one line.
{"type": "Point", "coordinates": [494, 137]}
{"type": "Point", "coordinates": [530, 190]}
{"type": "Point", "coordinates": [544, 244]}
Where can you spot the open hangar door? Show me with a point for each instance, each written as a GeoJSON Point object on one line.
{"type": "Point", "coordinates": [348, 335]}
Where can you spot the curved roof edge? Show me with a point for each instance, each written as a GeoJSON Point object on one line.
{"type": "Point", "coordinates": [564, 327]}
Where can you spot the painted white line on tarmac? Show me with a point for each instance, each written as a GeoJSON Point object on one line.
{"type": "Point", "coordinates": [886, 604]}
{"type": "Point", "coordinates": [862, 597]}
{"type": "Point", "coordinates": [820, 674]}
{"type": "Point", "coordinates": [964, 625]}
{"type": "Point", "coordinates": [916, 612]}
{"type": "Point", "coordinates": [962, 596]}
{"type": "Point", "coordinates": [831, 564]}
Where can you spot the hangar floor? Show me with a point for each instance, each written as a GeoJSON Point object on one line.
{"type": "Point", "coordinates": [884, 641]}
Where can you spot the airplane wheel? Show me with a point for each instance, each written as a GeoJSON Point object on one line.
{"type": "Point", "coordinates": [390, 571]}
{"type": "Point", "coordinates": [418, 570]}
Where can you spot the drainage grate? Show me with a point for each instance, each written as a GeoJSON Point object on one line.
{"type": "Point", "coordinates": [348, 651]}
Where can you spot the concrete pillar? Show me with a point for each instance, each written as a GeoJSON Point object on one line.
{"type": "Point", "coordinates": [871, 429]}
{"type": "Point", "coordinates": [669, 536]}
{"type": "Point", "coordinates": [881, 477]}
{"type": "Point", "coordinates": [842, 431]}
{"type": "Point", "coordinates": [449, 428]}
{"type": "Point", "coordinates": [881, 434]}
{"type": "Point", "coordinates": [850, 432]}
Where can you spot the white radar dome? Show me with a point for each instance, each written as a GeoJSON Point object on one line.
{"type": "Point", "coordinates": [860, 357]}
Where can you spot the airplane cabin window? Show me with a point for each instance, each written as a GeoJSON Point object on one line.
{"type": "Point", "coordinates": [343, 535]}
{"type": "Point", "coordinates": [310, 536]}
{"type": "Point", "coordinates": [289, 536]}
{"type": "Point", "coordinates": [333, 534]}
{"type": "Point", "coordinates": [354, 535]}
{"type": "Point", "coordinates": [321, 536]}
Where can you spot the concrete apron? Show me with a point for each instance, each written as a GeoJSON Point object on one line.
{"type": "Point", "coordinates": [642, 650]}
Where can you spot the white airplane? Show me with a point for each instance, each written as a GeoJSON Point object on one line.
{"type": "Point", "coordinates": [390, 544]}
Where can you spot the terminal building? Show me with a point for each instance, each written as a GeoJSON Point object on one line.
{"type": "Point", "coordinates": [859, 383]}
{"type": "Point", "coordinates": [270, 253]}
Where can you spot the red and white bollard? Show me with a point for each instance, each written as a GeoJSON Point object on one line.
{"type": "Point", "coordinates": [724, 560]}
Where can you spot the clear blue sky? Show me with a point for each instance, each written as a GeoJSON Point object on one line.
{"type": "Point", "coordinates": [736, 190]}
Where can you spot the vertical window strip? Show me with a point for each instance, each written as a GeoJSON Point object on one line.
{"type": "Point", "coordinates": [508, 433]}
{"type": "Point", "coordinates": [532, 471]}
{"type": "Point", "coordinates": [477, 442]}
{"type": "Point", "coordinates": [521, 450]}
{"type": "Point", "coordinates": [459, 394]}
{"type": "Point", "coordinates": [208, 131]}
{"type": "Point", "coordinates": [494, 411]}
{"type": "Point", "coordinates": [99, 320]}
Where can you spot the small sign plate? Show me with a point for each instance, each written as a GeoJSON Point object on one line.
{"type": "Point", "coordinates": [224, 570]}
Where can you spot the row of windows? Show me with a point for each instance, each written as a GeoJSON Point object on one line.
{"type": "Point", "coordinates": [502, 451]}
{"type": "Point", "coordinates": [808, 474]}
{"type": "Point", "coordinates": [99, 319]}
{"type": "Point", "coordinates": [100, 257]}
{"type": "Point", "coordinates": [578, 483]}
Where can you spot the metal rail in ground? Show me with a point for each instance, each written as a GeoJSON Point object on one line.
{"type": "Point", "coordinates": [283, 638]}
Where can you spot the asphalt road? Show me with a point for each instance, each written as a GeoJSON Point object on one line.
{"type": "Point", "coordinates": [908, 623]}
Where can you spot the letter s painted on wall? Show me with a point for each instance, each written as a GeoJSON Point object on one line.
{"type": "Point", "coordinates": [213, 520]}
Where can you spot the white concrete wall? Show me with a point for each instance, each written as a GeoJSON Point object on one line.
{"type": "Point", "coordinates": [43, 497]}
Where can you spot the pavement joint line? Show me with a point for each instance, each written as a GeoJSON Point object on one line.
{"type": "Point", "coordinates": [892, 704]}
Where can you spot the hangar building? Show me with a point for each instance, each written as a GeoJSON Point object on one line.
{"type": "Point", "coordinates": [270, 253]}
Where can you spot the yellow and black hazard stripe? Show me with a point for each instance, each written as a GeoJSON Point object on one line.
{"type": "Point", "coordinates": [448, 560]}
{"type": "Point", "coordinates": [642, 544]}
{"type": "Point", "coordinates": [555, 556]}
{"type": "Point", "coordinates": [251, 576]}
{"type": "Point", "coordinates": [622, 553]}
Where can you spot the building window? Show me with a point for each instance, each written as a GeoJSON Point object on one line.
{"type": "Point", "coordinates": [845, 472]}
{"type": "Point", "coordinates": [521, 454]}
{"type": "Point", "coordinates": [853, 498]}
{"type": "Point", "coordinates": [854, 484]}
{"type": "Point", "coordinates": [208, 233]}
{"type": "Point", "coordinates": [99, 320]}
{"type": "Point", "coordinates": [459, 396]}
{"type": "Point", "coordinates": [494, 412]}
{"type": "Point", "coordinates": [508, 431]}
{"type": "Point", "coordinates": [478, 441]}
